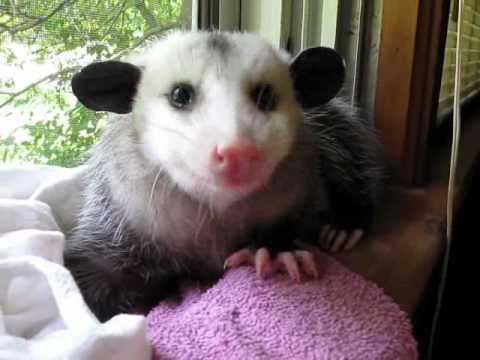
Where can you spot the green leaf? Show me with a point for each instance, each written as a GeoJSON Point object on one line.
{"type": "Point", "coordinates": [58, 130]}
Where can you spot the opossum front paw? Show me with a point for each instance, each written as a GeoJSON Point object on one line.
{"type": "Point", "coordinates": [333, 239]}
{"type": "Point", "coordinates": [294, 263]}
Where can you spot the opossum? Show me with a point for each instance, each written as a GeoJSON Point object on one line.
{"type": "Point", "coordinates": [220, 150]}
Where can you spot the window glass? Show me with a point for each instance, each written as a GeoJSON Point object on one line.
{"type": "Point", "coordinates": [42, 44]}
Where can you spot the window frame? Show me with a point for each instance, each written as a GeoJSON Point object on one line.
{"type": "Point", "coordinates": [224, 15]}
{"type": "Point", "coordinates": [408, 84]}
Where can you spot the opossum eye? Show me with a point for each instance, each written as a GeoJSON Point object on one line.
{"type": "Point", "coordinates": [264, 97]}
{"type": "Point", "coordinates": [181, 96]}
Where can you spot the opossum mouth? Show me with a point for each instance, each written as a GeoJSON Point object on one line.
{"type": "Point", "coordinates": [240, 182]}
{"type": "Point", "coordinates": [238, 187]}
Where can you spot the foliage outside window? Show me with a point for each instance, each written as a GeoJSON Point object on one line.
{"type": "Point", "coordinates": [42, 44]}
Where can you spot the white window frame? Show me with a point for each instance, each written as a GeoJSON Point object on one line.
{"type": "Point", "coordinates": [350, 26]}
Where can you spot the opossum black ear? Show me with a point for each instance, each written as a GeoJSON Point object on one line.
{"type": "Point", "coordinates": [318, 74]}
{"type": "Point", "coordinates": [107, 86]}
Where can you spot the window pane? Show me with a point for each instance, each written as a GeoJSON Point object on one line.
{"type": "Point", "coordinates": [314, 23]}
{"type": "Point", "coordinates": [470, 58]}
{"type": "Point", "coordinates": [42, 44]}
{"type": "Point", "coordinates": [352, 27]}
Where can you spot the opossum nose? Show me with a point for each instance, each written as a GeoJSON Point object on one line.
{"type": "Point", "coordinates": [236, 163]}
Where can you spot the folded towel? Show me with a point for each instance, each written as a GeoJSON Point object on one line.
{"type": "Point", "coordinates": [42, 313]}
{"type": "Point", "coordinates": [43, 316]}
{"type": "Point", "coordinates": [340, 316]}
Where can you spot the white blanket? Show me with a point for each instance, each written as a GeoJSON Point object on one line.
{"type": "Point", "coordinates": [42, 313]}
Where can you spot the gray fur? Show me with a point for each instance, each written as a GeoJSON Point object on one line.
{"type": "Point", "coordinates": [219, 43]}
{"type": "Point", "coordinates": [138, 233]}
{"type": "Point", "coordinates": [115, 256]}
{"type": "Point", "coordinates": [343, 138]}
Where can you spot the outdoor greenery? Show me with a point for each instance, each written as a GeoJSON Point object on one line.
{"type": "Point", "coordinates": [53, 128]}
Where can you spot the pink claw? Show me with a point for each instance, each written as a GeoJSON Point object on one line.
{"type": "Point", "coordinates": [353, 239]}
{"type": "Point", "coordinates": [324, 232]}
{"type": "Point", "coordinates": [339, 241]}
{"type": "Point", "coordinates": [244, 256]}
{"type": "Point", "coordinates": [293, 263]}
{"type": "Point", "coordinates": [263, 263]}
{"type": "Point", "coordinates": [330, 237]}
{"type": "Point", "coordinates": [307, 263]}
{"type": "Point", "coordinates": [334, 240]}
{"type": "Point", "coordinates": [290, 263]}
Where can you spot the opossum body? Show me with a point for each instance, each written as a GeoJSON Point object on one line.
{"type": "Point", "coordinates": [220, 143]}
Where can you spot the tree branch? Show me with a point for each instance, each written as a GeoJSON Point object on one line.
{"type": "Point", "coordinates": [29, 25]}
{"type": "Point", "coordinates": [38, 82]}
{"type": "Point", "coordinates": [13, 5]}
{"type": "Point", "coordinates": [149, 33]}
{"type": "Point", "coordinates": [17, 11]}
{"type": "Point", "coordinates": [114, 19]}
{"type": "Point", "coordinates": [147, 15]}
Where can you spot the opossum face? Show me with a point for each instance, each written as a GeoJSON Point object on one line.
{"type": "Point", "coordinates": [218, 112]}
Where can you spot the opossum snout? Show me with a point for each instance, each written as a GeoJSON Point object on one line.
{"type": "Point", "coordinates": [236, 164]}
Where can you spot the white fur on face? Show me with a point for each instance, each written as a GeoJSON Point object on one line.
{"type": "Point", "coordinates": [181, 141]}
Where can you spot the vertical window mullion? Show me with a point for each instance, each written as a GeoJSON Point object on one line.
{"type": "Point", "coordinates": [229, 15]}
{"type": "Point", "coordinates": [208, 14]}
{"type": "Point", "coordinates": [348, 42]}
{"type": "Point", "coordinates": [268, 18]}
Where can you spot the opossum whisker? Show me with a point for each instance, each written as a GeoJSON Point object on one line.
{"type": "Point", "coordinates": [165, 187]}
{"type": "Point", "coordinates": [200, 223]}
{"type": "Point", "coordinates": [176, 132]}
{"type": "Point", "coordinates": [155, 244]}
{"type": "Point", "coordinates": [324, 129]}
{"type": "Point", "coordinates": [210, 207]}
{"type": "Point", "coordinates": [117, 236]}
{"type": "Point", "coordinates": [153, 187]}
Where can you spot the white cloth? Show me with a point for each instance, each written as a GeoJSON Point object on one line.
{"type": "Point", "coordinates": [42, 313]}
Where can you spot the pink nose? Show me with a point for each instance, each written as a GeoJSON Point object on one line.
{"type": "Point", "coordinates": [235, 163]}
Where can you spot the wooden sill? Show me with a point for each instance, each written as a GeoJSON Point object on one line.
{"type": "Point", "coordinates": [406, 245]}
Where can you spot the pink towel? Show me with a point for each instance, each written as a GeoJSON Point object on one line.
{"type": "Point", "coordinates": [340, 316]}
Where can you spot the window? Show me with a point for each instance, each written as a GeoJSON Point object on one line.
{"type": "Point", "coordinates": [352, 27]}
{"type": "Point", "coordinates": [470, 59]}
{"type": "Point", "coordinates": [43, 42]}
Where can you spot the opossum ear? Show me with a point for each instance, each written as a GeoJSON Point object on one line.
{"type": "Point", "coordinates": [107, 86]}
{"type": "Point", "coordinates": [318, 74]}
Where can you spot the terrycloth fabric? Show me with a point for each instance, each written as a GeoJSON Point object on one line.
{"type": "Point", "coordinates": [42, 313]}
{"type": "Point", "coordinates": [340, 316]}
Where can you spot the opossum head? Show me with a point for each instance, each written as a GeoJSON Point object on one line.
{"type": "Point", "coordinates": [216, 111]}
